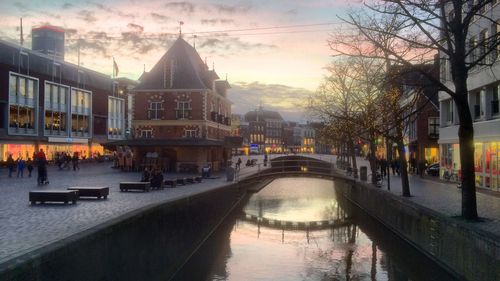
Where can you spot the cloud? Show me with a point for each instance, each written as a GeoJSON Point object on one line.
{"type": "Point", "coordinates": [183, 6]}
{"type": "Point", "coordinates": [67, 6]}
{"type": "Point", "coordinates": [160, 17]}
{"type": "Point", "coordinates": [136, 27]}
{"type": "Point", "coordinates": [284, 99]}
{"type": "Point", "coordinates": [216, 21]}
{"type": "Point", "coordinates": [234, 44]}
{"type": "Point", "coordinates": [230, 9]}
{"type": "Point", "coordinates": [87, 16]}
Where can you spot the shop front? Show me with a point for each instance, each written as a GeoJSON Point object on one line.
{"type": "Point", "coordinates": [486, 163]}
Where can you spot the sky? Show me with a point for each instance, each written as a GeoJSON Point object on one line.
{"type": "Point", "coordinates": [275, 67]}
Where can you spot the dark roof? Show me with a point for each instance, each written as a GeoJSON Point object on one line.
{"type": "Point", "coordinates": [262, 115]}
{"type": "Point", "coordinates": [40, 63]}
{"type": "Point", "coordinates": [181, 67]}
{"type": "Point", "coordinates": [168, 142]}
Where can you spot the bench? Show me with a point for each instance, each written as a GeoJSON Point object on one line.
{"type": "Point", "coordinates": [170, 182]}
{"type": "Point", "coordinates": [190, 180]}
{"type": "Point", "coordinates": [181, 181]}
{"type": "Point", "coordinates": [43, 196]}
{"type": "Point", "coordinates": [198, 179]}
{"type": "Point", "coordinates": [144, 186]}
{"type": "Point", "coordinates": [91, 191]}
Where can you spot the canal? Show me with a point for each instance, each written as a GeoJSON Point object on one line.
{"type": "Point", "coordinates": [301, 229]}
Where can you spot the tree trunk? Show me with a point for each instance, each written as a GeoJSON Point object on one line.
{"type": "Point", "coordinates": [352, 151]}
{"type": "Point", "coordinates": [373, 160]}
{"type": "Point", "coordinates": [403, 167]}
{"type": "Point", "coordinates": [466, 141]}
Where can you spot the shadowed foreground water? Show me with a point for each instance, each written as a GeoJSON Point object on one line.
{"type": "Point", "coordinates": [275, 236]}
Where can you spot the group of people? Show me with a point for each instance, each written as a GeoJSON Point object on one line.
{"type": "Point", "coordinates": [154, 176]}
{"type": "Point", "coordinates": [19, 165]}
{"type": "Point", "coordinates": [124, 159]}
{"type": "Point", "coordinates": [394, 165]}
{"type": "Point", "coordinates": [63, 160]}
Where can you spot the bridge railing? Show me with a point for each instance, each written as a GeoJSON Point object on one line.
{"type": "Point", "coordinates": [285, 165]}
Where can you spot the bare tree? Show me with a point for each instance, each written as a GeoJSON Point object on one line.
{"type": "Point", "coordinates": [422, 29]}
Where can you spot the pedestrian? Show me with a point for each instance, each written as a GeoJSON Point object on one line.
{"type": "Point", "coordinates": [421, 168]}
{"type": "Point", "coordinates": [238, 164]}
{"type": "Point", "coordinates": [42, 168]}
{"type": "Point", "coordinates": [29, 165]}
{"type": "Point", "coordinates": [74, 160]}
{"type": "Point", "coordinates": [20, 167]}
{"type": "Point", "coordinates": [393, 166]}
{"type": "Point", "coordinates": [157, 179]}
{"type": "Point", "coordinates": [146, 175]}
{"type": "Point", "coordinates": [10, 164]}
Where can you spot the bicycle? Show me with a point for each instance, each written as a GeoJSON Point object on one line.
{"type": "Point", "coordinates": [450, 176]}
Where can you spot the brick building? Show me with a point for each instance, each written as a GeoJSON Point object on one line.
{"type": "Point", "coordinates": [180, 113]}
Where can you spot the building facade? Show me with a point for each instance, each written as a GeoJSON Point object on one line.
{"type": "Point", "coordinates": [181, 113]}
{"type": "Point", "coordinates": [54, 105]}
{"type": "Point", "coordinates": [265, 131]}
{"type": "Point", "coordinates": [483, 83]}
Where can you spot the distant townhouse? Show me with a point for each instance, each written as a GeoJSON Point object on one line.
{"type": "Point", "coordinates": [265, 130]}
{"type": "Point", "coordinates": [51, 104]}
{"type": "Point", "coordinates": [484, 83]}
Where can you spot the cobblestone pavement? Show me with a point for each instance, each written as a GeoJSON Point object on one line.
{"type": "Point", "coordinates": [443, 197]}
{"type": "Point", "coordinates": [24, 228]}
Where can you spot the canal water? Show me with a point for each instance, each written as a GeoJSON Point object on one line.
{"type": "Point", "coordinates": [301, 229]}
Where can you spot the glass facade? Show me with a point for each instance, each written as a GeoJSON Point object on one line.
{"type": "Point", "coordinates": [116, 118]}
{"type": "Point", "coordinates": [56, 109]}
{"type": "Point", "coordinates": [23, 93]}
{"type": "Point", "coordinates": [80, 113]}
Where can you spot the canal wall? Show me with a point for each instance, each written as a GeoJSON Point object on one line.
{"type": "Point", "coordinates": [147, 244]}
{"type": "Point", "coordinates": [466, 252]}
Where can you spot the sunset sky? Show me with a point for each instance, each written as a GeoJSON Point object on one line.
{"type": "Point", "coordinates": [275, 66]}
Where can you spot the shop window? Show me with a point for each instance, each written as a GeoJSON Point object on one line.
{"type": "Point", "coordinates": [56, 109]}
{"type": "Point", "coordinates": [80, 113]}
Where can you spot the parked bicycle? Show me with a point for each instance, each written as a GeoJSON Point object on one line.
{"type": "Point", "coordinates": [450, 176]}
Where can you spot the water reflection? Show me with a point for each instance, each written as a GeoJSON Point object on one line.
{"type": "Point", "coordinates": [297, 229]}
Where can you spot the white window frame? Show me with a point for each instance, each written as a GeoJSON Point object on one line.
{"type": "Point", "coordinates": [16, 100]}
{"type": "Point", "coordinates": [116, 118]}
{"type": "Point", "coordinates": [80, 110]}
{"type": "Point", "coordinates": [154, 111]}
{"type": "Point", "coordinates": [57, 107]}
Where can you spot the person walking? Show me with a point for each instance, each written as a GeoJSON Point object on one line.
{"type": "Point", "coordinates": [10, 165]}
{"type": "Point", "coordinates": [42, 168]}
{"type": "Point", "coordinates": [29, 165]}
{"type": "Point", "coordinates": [238, 164]}
{"type": "Point", "coordinates": [74, 160]}
{"type": "Point", "coordinates": [20, 167]}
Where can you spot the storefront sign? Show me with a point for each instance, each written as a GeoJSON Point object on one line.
{"type": "Point", "coordinates": [68, 140]}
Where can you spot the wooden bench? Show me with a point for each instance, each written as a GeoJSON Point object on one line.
{"type": "Point", "coordinates": [181, 181]}
{"type": "Point", "coordinates": [144, 186]}
{"type": "Point", "coordinates": [170, 182]}
{"type": "Point", "coordinates": [91, 191]}
{"type": "Point", "coordinates": [43, 196]}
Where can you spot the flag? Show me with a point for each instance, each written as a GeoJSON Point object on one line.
{"type": "Point", "coordinates": [115, 68]}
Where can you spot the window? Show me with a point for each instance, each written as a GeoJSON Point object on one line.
{"type": "Point", "coordinates": [494, 101]}
{"type": "Point", "coordinates": [23, 93]}
{"type": "Point", "coordinates": [183, 110]}
{"type": "Point", "coordinates": [476, 105]}
{"type": "Point", "coordinates": [155, 110]}
{"type": "Point", "coordinates": [472, 49]}
{"type": "Point", "coordinates": [433, 129]}
{"type": "Point", "coordinates": [146, 133]}
{"type": "Point", "coordinates": [116, 118]}
{"type": "Point", "coordinates": [80, 112]}
{"type": "Point", "coordinates": [56, 109]}
{"type": "Point", "coordinates": [482, 48]}
{"type": "Point", "coordinates": [190, 133]}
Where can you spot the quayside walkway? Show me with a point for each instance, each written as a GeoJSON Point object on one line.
{"type": "Point", "coordinates": [24, 228]}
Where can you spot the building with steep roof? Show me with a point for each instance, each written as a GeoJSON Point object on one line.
{"type": "Point", "coordinates": [181, 107]}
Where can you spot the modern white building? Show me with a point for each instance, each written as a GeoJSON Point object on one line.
{"type": "Point", "coordinates": [484, 84]}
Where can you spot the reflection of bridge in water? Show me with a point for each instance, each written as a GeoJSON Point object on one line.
{"type": "Point", "coordinates": [296, 225]}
